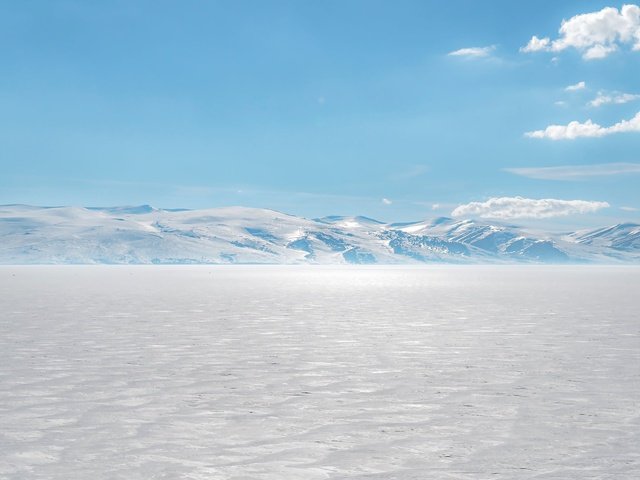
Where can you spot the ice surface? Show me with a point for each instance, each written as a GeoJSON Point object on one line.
{"type": "Point", "coordinates": [319, 372]}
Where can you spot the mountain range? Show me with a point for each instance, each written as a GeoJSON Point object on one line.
{"type": "Point", "coordinates": [147, 235]}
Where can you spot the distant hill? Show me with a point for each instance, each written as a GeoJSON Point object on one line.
{"type": "Point", "coordinates": [146, 235]}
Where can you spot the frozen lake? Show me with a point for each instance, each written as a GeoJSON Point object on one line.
{"type": "Point", "coordinates": [319, 373]}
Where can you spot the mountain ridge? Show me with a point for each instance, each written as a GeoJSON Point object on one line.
{"type": "Point", "coordinates": [144, 234]}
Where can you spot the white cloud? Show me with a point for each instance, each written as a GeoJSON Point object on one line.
{"type": "Point", "coordinates": [519, 207]}
{"type": "Point", "coordinates": [577, 86]}
{"type": "Point", "coordinates": [599, 51]}
{"type": "Point", "coordinates": [629, 209]}
{"type": "Point", "coordinates": [386, 201]}
{"type": "Point", "coordinates": [560, 103]}
{"type": "Point", "coordinates": [576, 172]}
{"type": "Point", "coordinates": [595, 34]}
{"type": "Point", "coordinates": [435, 206]}
{"type": "Point", "coordinates": [617, 98]}
{"type": "Point", "coordinates": [536, 44]}
{"type": "Point", "coordinates": [576, 129]}
{"type": "Point", "coordinates": [473, 52]}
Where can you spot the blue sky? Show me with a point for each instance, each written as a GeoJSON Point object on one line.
{"type": "Point", "coordinates": [318, 108]}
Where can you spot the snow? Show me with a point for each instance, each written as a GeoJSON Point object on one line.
{"type": "Point", "coordinates": [147, 235]}
{"type": "Point", "coordinates": [220, 372]}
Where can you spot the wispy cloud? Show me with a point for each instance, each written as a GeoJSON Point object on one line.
{"type": "Point", "coordinates": [386, 201]}
{"type": "Point", "coordinates": [576, 87]}
{"type": "Point", "coordinates": [629, 209]}
{"type": "Point", "coordinates": [616, 98]}
{"type": "Point", "coordinates": [577, 129]}
{"type": "Point", "coordinates": [595, 34]}
{"type": "Point", "coordinates": [519, 207]}
{"type": "Point", "coordinates": [473, 52]}
{"type": "Point", "coordinates": [576, 172]}
{"type": "Point", "coordinates": [409, 173]}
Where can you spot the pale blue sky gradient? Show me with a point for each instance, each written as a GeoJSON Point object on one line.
{"type": "Point", "coordinates": [312, 108]}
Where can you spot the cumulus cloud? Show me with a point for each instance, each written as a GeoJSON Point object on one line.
{"type": "Point", "coordinates": [576, 129]}
{"type": "Point", "coordinates": [473, 52]}
{"type": "Point", "coordinates": [518, 207]}
{"type": "Point", "coordinates": [617, 98]}
{"type": "Point", "coordinates": [386, 201]}
{"type": "Point", "coordinates": [576, 172]}
{"type": "Point", "coordinates": [577, 86]}
{"type": "Point", "coordinates": [536, 44]}
{"type": "Point", "coordinates": [595, 34]}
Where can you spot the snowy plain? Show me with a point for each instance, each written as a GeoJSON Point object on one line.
{"type": "Point", "coordinates": [298, 372]}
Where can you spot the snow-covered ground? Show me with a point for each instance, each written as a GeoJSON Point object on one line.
{"type": "Point", "coordinates": [245, 372]}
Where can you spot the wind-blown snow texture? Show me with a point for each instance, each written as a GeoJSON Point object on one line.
{"type": "Point", "coordinates": [270, 373]}
{"type": "Point", "coordinates": [134, 235]}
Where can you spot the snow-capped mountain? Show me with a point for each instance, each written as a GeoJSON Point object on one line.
{"type": "Point", "coordinates": [619, 241]}
{"type": "Point", "coordinates": [143, 234]}
{"type": "Point", "coordinates": [624, 237]}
